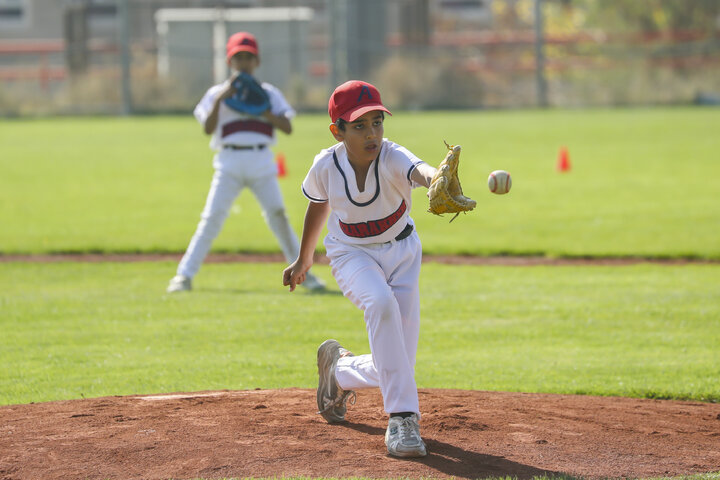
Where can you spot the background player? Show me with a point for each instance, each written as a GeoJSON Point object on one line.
{"type": "Point", "coordinates": [362, 186]}
{"type": "Point", "coordinates": [243, 159]}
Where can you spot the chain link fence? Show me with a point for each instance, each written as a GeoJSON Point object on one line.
{"type": "Point", "coordinates": [144, 56]}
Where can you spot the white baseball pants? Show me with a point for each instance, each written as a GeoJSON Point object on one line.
{"type": "Point", "coordinates": [235, 170]}
{"type": "Point", "coordinates": [382, 280]}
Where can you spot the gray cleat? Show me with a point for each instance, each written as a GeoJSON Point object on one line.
{"type": "Point", "coordinates": [313, 283]}
{"type": "Point", "coordinates": [331, 399]}
{"type": "Point", "coordinates": [403, 437]}
{"type": "Point", "coordinates": [180, 283]}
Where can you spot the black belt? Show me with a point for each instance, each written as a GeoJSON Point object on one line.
{"type": "Point", "coordinates": [404, 234]}
{"type": "Point", "coordinates": [245, 147]}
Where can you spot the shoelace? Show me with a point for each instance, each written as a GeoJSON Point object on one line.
{"type": "Point", "coordinates": [408, 432]}
{"type": "Point", "coordinates": [340, 400]}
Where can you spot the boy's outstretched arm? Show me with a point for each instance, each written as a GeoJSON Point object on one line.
{"type": "Point", "coordinates": [315, 218]}
{"type": "Point", "coordinates": [423, 174]}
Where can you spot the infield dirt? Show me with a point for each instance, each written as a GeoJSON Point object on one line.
{"type": "Point", "coordinates": [276, 433]}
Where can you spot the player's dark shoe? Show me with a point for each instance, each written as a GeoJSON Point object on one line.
{"type": "Point", "coordinates": [180, 283]}
{"type": "Point", "coordinates": [331, 399]}
{"type": "Point", "coordinates": [403, 437]}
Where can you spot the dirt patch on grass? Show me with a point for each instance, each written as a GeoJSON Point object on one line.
{"type": "Point", "coordinates": [323, 260]}
{"type": "Point", "coordinates": [276, 433]}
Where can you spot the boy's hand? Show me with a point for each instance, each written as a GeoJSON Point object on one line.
{"type": "Point", "coordinates": [229, 88]}
{"type": "Point", "coordinates": [445, 192]}
{"type": "Point", "coordinates": [249, 96]}
{"type": "Point", "coordinates": [294, 274]}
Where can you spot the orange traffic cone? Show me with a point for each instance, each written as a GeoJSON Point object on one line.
{"type": "Point", "coordinates": [563, 163]}
{"type": "Point", "coordinates": [281, 169]}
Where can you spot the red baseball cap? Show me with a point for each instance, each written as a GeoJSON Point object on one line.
{"type": "Point", "coordinates": [354, 99]}
{"type": "Point", "coordinates": [242, 42]}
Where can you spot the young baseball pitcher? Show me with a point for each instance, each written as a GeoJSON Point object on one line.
{"type": "Point", "coordinates": [362, 186]}
{"type": "Point", "coordinates": [242, 133]}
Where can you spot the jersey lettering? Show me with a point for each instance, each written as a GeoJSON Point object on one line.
{"type": "Point", "coordinates": [373, 228]}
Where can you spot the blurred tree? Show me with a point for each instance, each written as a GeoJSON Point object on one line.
{"type": "Point", "coordinates": [652, 16]}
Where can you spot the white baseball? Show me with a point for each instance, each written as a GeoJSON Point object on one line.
{"type": "Point", "coordinates": [499, 182]}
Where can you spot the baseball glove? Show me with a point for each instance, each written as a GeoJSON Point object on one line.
{"type": "Point", "coordinates": [249, 96]}
{"type": "Point", "coordinates": [445, 192]}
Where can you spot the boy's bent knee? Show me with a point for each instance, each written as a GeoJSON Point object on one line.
{"type": "Point", "coordinates": [214, 219]}
{"type": "Point", "coordinates": [215, 216]}
{"type": "Point", "coordinates": [384, 306]}
{"type": "Point", "coordinates": [276, 215]}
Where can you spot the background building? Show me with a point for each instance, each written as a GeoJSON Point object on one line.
{"type": "Point", "coordinates": [122, 56]}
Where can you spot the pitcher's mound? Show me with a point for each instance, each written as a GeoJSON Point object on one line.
{"type": "Point", "coordinates": [276, 433]}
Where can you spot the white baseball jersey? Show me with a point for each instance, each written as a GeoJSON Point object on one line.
{"type": "Point", "coordinates": [237, 169]}
{"type": "Point", "coordinates": [237, 128]}
{"type": "Point", "coordinates": [379, 275]}
{"type": "Point", "coordinates": [377, 214]}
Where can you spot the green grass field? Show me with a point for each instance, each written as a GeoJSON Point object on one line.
{"type": "Point", "coordinates": [74, 330]}
{"type": "Point", "coordinates": [643, 183]}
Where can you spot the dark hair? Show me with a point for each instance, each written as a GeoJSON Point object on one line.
{"type": "Point", "coordinates": [340, 123]}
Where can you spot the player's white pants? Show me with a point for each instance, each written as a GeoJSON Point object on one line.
{"type": "Point", "coordinates": [236, 170]}
{"type": "Point", "coordinates": [382, 280]}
